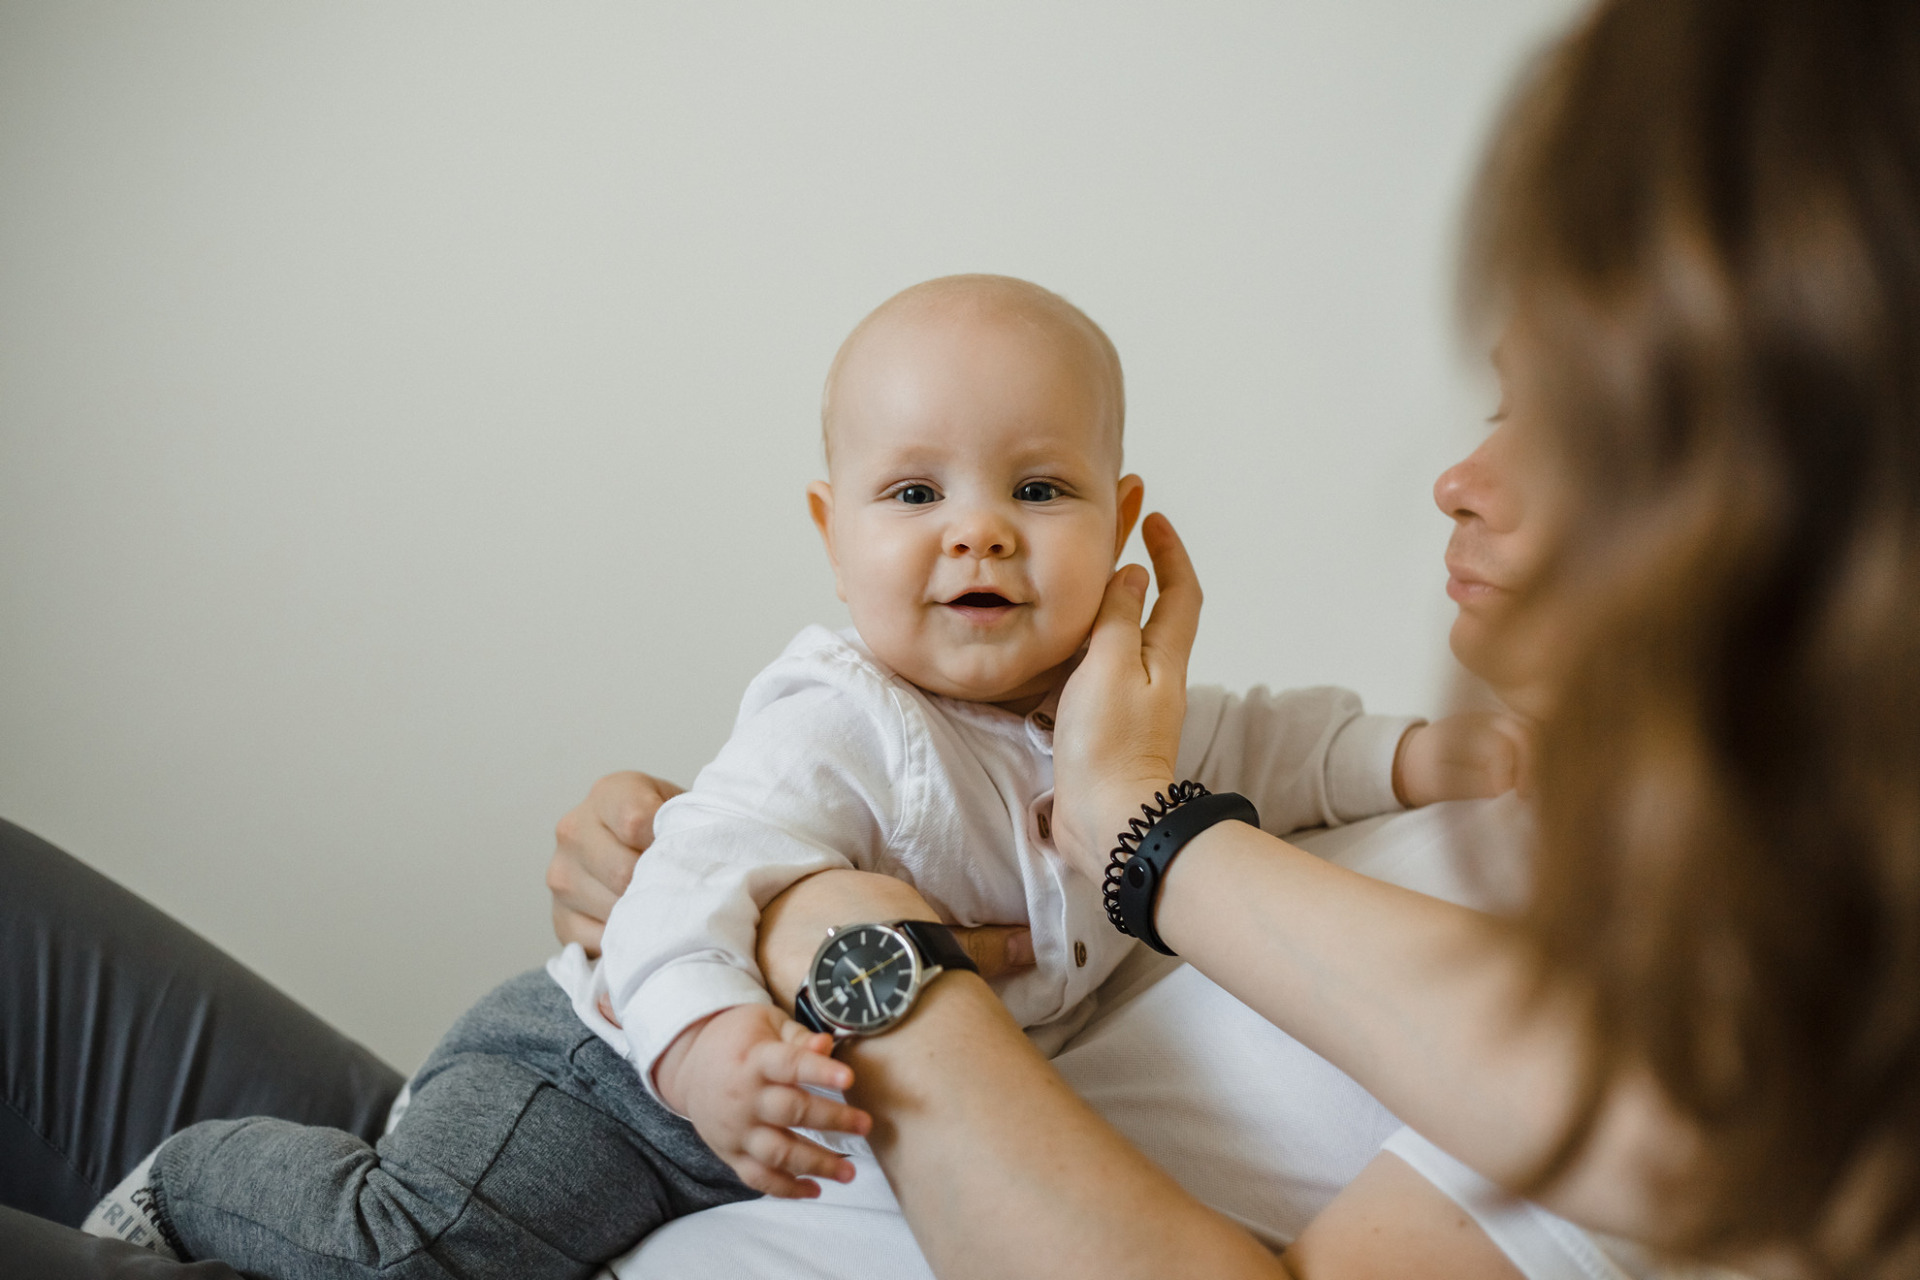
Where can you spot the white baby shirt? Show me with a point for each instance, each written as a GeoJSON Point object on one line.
{"type": "Point", "coordinates": [835, 761]}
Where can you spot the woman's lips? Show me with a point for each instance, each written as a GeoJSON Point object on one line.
{"type": "Point", "coordinates": [1464, 589]}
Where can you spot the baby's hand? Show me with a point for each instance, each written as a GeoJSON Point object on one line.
{"type": "Point", "coordinates": [737, 1076]}
{"type": "Point", "coordinates": [1468, 756]}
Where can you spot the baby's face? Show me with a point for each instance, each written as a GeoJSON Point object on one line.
{"type": "Point", "coordinates": [975, 509]}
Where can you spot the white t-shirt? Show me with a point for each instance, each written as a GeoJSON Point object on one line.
{"type": "Point", "coordinates": [1245, 1117]}
{"type": "Point", "coordinates": [835, 761]}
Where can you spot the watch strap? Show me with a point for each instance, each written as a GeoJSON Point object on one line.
{"type": "Point", "coordinates": [936, 944]}
{"type": "Point", "coordinates": [807, 1016]}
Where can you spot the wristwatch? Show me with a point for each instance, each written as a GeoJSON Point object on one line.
{"type": "Point", "coordinates": [866, 977]}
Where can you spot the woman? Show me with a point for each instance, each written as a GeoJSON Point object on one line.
{"type": "Point", "coordinates": [1700, 230]}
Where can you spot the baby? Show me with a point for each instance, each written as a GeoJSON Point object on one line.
{"type": "Point", "coordinates": [974, 512]}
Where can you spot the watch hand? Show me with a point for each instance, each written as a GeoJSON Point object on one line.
{"type": "Point", "coordinates": [862, 977]}
{"type": "Point", "coordinates": [871, 1002]}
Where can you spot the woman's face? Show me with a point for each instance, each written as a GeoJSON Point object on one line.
{"type": "Point", "coordinates": [1499, 498]}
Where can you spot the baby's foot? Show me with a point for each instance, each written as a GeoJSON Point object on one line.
{"type": "Point", "coordinates": [128, 1213]}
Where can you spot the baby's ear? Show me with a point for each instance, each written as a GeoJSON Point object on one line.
{"type": "Point", "coordinates": [1132, 492]}
{"type": "Point", "coordinates": [820, 507]}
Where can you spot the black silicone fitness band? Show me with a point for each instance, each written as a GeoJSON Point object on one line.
{"type": "Point", "coordinates": [1140, 875]}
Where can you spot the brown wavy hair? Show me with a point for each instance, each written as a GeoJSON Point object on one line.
{"type": "Point", "coordinates": [1705, 217]}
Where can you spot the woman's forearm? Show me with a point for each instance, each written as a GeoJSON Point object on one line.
{"type": "Point", "coordinates": [1003, 1171]}
{"type": "Point", "coordinates": [1430, 1006]}
{"type": "Point", "coordinates": [1000, 1168]}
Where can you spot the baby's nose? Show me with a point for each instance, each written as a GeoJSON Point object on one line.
{"type": "Point", "coordinates": [980, 534]}
{"type": "Point", "coordinates": [982, 546]}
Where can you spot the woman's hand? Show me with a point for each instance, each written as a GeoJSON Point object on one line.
{"type": "Point", "coordinates": [1117, 733]}
{"type": "Point", "coordinates": [595, 847]}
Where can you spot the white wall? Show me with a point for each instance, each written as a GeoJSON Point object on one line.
{"type": "Point", "coordinates": [404, 409]}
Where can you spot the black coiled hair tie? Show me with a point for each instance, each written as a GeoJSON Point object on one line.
{"type": "Point", "coordinates": [1141, 855]}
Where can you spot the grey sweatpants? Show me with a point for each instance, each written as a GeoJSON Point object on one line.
{"type": "Point", "coordinates": [530, 1150]}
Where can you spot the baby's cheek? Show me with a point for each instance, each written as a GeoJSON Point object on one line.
{"type": "Point", "coordinates": [886, 631]}
{"type": "Point", "coordinates": [1082, 596]}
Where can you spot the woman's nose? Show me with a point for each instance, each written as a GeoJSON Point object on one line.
{"type": "Point", "coordinates": [980, 532]}
{"type": "Point", "coordinates": [1476, 486]}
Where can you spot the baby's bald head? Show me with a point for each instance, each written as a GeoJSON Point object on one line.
{"type": "Point", "coordinates": [974, 507]}
{"type": "Point", "coordinates": [953, 308]}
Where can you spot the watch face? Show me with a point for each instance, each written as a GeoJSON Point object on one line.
{"type": "Point", "coordinates": [863, 978]}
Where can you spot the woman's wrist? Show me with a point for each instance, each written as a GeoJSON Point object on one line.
{"type": "Point", "coordinates": [1094, 828]}
{"type": "Point", "coordinates": [794, 923]}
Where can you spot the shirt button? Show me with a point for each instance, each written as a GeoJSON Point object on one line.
{"type": "Point", "coordinates": [1046, 828]}
{"type": "Point", "coordinates": [1044, 720]}
{"type": "Point", "coordinates": [1079, 955]}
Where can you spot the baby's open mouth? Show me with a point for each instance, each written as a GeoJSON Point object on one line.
{"type": "Point", "coordinates": [981, 600]}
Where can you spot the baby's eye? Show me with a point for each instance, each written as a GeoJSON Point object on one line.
{"type": "Point", "coordinates": [917, 495]}
{"type": "Point", "coordinates": [1037, 491]}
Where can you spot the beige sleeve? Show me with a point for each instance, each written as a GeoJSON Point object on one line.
{"type": "Point", "coordinates": [1305, 757]}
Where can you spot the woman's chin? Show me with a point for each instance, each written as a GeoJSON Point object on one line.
{"type": "Point", "coordinates": [1477, 644]}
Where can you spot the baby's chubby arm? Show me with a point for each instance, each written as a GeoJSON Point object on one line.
{"type": "Point", "coordinates": [804, 784]}
{"type": "Point", "coordinates": [738, 1075]}
{"type": "Point", "coordinates": [1314, 757]}
{"type": "Point", "coordinates": [1471, 755]}
{"type": "Point", "coordinates": [814, 776]}
{"type": "Point", "coordinates": [1305, 757]}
